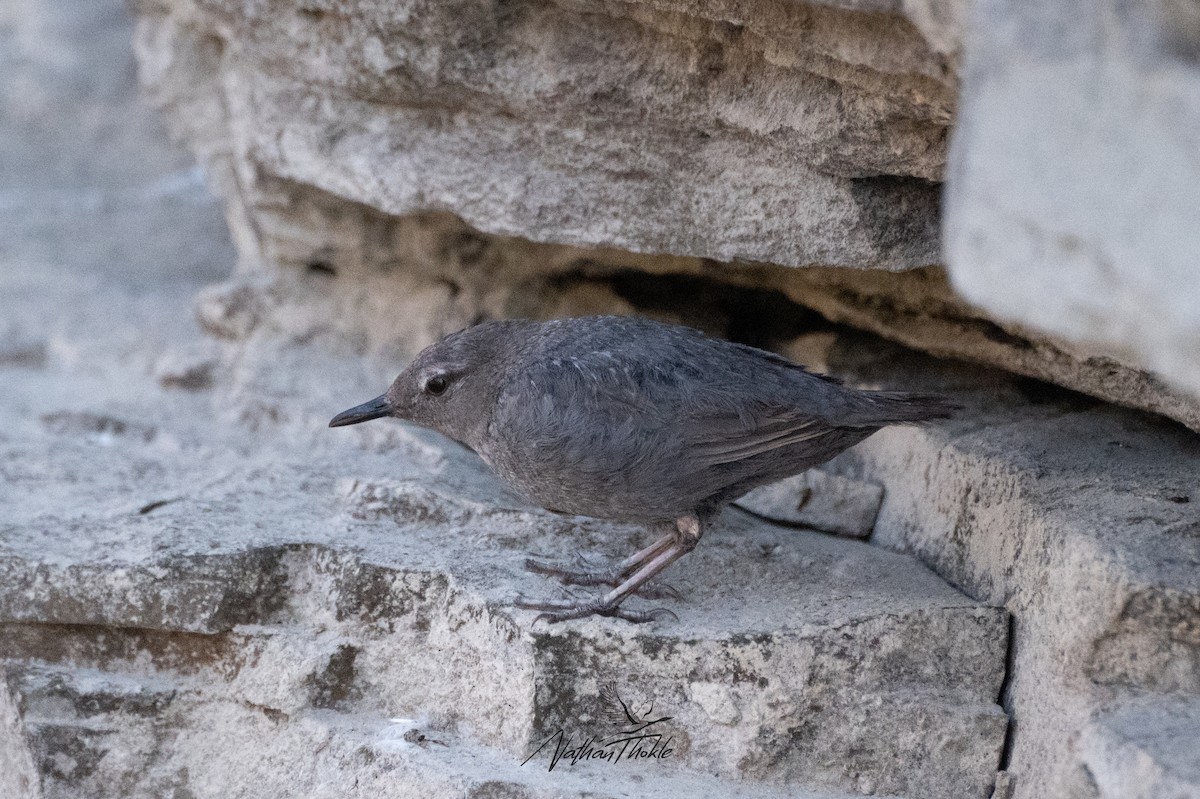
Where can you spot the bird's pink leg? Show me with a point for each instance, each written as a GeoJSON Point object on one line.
{"type": "Point", "coordinates": [688, 530]}
{"type": "Point", "coordinates": [613, 575]}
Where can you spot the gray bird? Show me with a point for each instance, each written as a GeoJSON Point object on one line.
{"type": "Point", "coordinates": [634, 420]}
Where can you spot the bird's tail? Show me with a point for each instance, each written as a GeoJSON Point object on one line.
{"type": "Point", "coordinates": [881, 408]}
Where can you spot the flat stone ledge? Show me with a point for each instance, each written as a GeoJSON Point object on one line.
{"type": "Point", "coordinates": [92, 730]}
{"type": "Point", "coordinates": [359, 572]}
{"type": "Point", "coordinates": [1081, 518]}
{"type": "Point", "coordinates": [795, 133]}
{"type": "Point", "coordinates": [304, 568]}
{"type": "Point", "coordinates": [1074, 218]}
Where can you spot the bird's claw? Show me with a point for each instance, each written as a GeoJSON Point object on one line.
{"type": "Point", "coordinates": [658, 591]}
{"type": "Point", "coordinates": [554, 612]}
{"type": "Point", "coordinates": [611, 577]}
{"type": "Point", "coordinates": [568, 577]}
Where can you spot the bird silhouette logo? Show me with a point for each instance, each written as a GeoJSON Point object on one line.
{"type": "Point", "coordinates": [638, 736]}
{"type": "Point", "coordinates": [620, 714]}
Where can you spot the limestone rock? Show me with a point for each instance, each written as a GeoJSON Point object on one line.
{"type": "Point", "coordinates": [208, 591]}
{"type": "Point", "coordinates": [797, 135]}
{"type": "Point", "coordinates": [191, 368]}
{"type": "Point", "coordinates": [921, 310]}
{"type": "Point", "coordinates": [397, 284]}
{"type": "Point", "coordinates": [793, 134]}
{"type": "Point", "coordinates": [819, 500]}
{"type": "Point", "coordinates": [1145, 750]}
{"type": "Point", "coordinates": [1080, 518]}
{"type": "Point", "coordinates": [95, 731]}
{"type": "Point", "coordinates": [347, 579]}
{"type": "Point", "coordinates": [1073, 204]}
{"type": "Point", "coordinates": [806, 135]}
{"type": "Point", "coordinates": [19, 776]}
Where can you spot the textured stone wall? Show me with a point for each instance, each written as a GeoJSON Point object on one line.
{"type": "Point", "coordinates": [205, 590]}
{"type": "Point", "coordinates": [712, 135]}
{"type": "Point", "coordinates": [785, 133]}
{"type": "Point", "coordinates": [1073, 201]}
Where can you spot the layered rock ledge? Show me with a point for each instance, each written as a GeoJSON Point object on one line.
{"type": "Point", "coordinates": [705, 138]}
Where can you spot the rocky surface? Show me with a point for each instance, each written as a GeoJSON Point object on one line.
{"type": "Point", "coordinates": [166, 564]}
{"type": "Point", "coordinates": [920, 309]}
{"type": "Point", "coordinates": [1077, 517]}
{"type": "Point", "coordinates": [787, 133]}
{"type": "Point", "coordinates": [1145, 749]}
{"type": "Point", "coordinates": [1082, 520]}
{"type": "Point", "coordinates": [227, 748]}
{"type": "Point", "coordinates": [206, 591]}
{"type": "Point", "coordinates": [820, 500]}
{"type": "Point", "coordinates": [397, 284]}
{"type": "Point", "coordinates": [796, 135]}
{"type": "Point", "coordinates": [1072, 201]}
{"type": "Point", "coordinates": [18, 772]}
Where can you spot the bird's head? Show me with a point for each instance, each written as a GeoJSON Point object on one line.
{"type": "Point", "coordinates": [450, 386]}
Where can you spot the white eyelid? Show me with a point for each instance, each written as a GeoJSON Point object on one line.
{"type": "Point", "coordinates": [429, 374]}
{"type": "Point", "coordinates": [434, 374]}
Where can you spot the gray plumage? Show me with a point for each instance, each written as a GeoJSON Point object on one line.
{"type": "Point", "coordinates": [630, 419]}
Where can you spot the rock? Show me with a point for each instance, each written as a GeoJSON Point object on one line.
{"type": "Point", "coordinates": [188, 368]}
{"type": "Point", "coordinates": [406, 502]}
{"type": "Point", "coordinates": [920, 309]}
{"type": "Point", "coordinates": [1145, 750]}
{"type": "Point", "coordinates": [228, 311]}
{"type": "Point", "coordinates": [18, 772]}
{"type": "Point", "coordinates": [100, 426]}
{"type": "Point", "coordinates": [822, 660]}
{"type": "Point", "coordinates": [1005, 786]}
{"type": "Point", "coordinates": [844, 151]}
{"type": "Point", "coordinates": [247, 598]}
{"type": "Point", "coordinates": [86, 727]}
{"type": "Point", "coordinates": [1079, 518]}
{"type": "Point", "coordinates": [22, 354]}
{"type": "Point", "coordinates": [398, 284]}
{"type": "Point", "coordinates": [270, 586]}
{"type": "Point", "coordinates": [807, 135]}
{"type": "Point", "coordinates": [1072, 205]}
{"type": "Point", "coordinates": [96, 731]}
{"type": "Point", "coordinates": [819, 500]}
{"type": "Point", "coordinates": [633, 126]}
{"type": "Point", "coordinates": [107, 228]}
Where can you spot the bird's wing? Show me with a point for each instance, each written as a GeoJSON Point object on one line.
{"type": "Point", "coordinates": [710, 402]}
{"type": "Point", "coordinates": [715, 437]}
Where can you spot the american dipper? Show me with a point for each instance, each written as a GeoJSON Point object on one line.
{"type": "Point", "coordinates": [633, 420]}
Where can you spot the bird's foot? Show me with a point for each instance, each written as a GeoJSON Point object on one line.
{"type": "Point", "coordinates": [565, 610]}
{"type": "Point", "coordinates": [568, 577]}
{"type": "Point", "coordinates": [611, 577]}
{"type": "Point", "coordinates": [658, 591]}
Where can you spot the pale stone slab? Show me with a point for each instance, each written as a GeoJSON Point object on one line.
{"type": "Point", "coordinates": [1146, 749]}
{"type": "Point", "coordinates": [93, 731]}
{"type": "Point", "coordinates": [19, 777]}
{"type": "Point", "coordinates": [796, 133]}
{"type": "Point", "coordinates": [1079, 517]}
{"type": "Point", "coordinates": [389, 587]}
{"type": "Point", "coordinates": [1073, 200]}
{"type": "Point", "coordinates": [822, 501]}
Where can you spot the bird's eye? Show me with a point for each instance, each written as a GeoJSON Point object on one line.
{"type": "Point", "coordinates": [437, 385]}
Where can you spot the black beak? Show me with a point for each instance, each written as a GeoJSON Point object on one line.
{"type": "Point", "coordinates": [363, 413]}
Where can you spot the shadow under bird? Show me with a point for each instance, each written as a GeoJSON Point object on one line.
{"type": "Point", "coordinates": [632, 420]}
